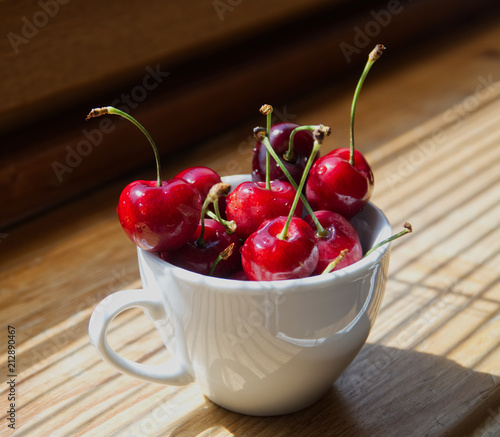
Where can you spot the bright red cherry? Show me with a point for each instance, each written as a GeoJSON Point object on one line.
{"type": "Point", "coordinates": [336, 185]}
{"type": "Point", "coordinates": [199, 256]}
{"type": "Point", "coordinates": [156, 215]}
{"type": "Point", "coordinates": [341, 235]}
{"type": "Point", "coordinates": [266, 256]}
{"type": "Point", "coordinates": [342, 181]}
{"type": "Point", "coordinates": [294, 161]}
{"type": "Point", "coordinates": [159, 218]}
{"type": "Point", "coordinates": [360, 163]}
{"type": "Point", "coordinates": [251, 203]}
{"type": "Point", "coordinates": [203, 178]}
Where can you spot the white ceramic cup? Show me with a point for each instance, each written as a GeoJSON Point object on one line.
{"type": "Point", "coordinates": [258, 348]}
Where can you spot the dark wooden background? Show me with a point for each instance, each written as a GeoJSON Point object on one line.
{"type": "Point", "coordinates": [214, 64]}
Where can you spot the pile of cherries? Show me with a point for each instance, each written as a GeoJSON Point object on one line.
{"type": "Point", "coordinates": [290, 221]}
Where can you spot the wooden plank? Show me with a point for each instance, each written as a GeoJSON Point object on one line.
{"type": "Point", "coordinates": [431, 364]}
{"type": "Point", "coordinates": [58, 52]}
{"type": "Point", "coordinates": [61, 156]}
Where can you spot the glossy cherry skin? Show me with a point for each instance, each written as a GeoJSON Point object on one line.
{"type": "Point", "coordinates": [162, 218]}
{"type": "Point", "coordinates": [342, 235]}
{"type": "Point", "coordinates": [200, 259]}
{"type": "Point", "coordinates": [203, 178]}
{"type": "Point", "coordinates": [335, 185]}
{"type": "Point", "coordinates": [279, 137]}
{"type": "Point", "coordinates": [251, 203]}
{"type": "Point", "coordinates": [360, 163]}
{"type": "Point", "coordinates": [265, 257]}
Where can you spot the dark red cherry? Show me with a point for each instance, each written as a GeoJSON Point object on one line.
{"type": "Point", "coordinates": [239, 276]}
{"type": "Point", "coordinates": [279, 139]}
{"type": "Point", "coordinates": [200, 258]}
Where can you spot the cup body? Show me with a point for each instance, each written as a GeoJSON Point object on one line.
{"type": "Point", "coordinates": [267, 347]}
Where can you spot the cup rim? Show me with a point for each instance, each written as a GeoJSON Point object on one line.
{"type": "Point", "coordinates": [337, 277]}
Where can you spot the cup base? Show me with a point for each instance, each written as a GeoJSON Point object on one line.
{"type": "Point", "coordinates": [267, 410]}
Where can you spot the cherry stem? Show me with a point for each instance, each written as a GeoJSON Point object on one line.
{"type": "Point", "coordinates": [217, 190]}
{"type": "Point", "coordinates": [335, 262]}
{"type": "Point", "coordinates": [229, 225]}
{"type": "Point", "coordinates": [200, 242]}
{"type": "Point", "coordinates": [259, 133]}
{"type": "Point", "coordinates": [267, 110]}
{"type": "Point", "coordinates": [114, 111]}
{"type": "Point", "coordinates": [319, 135]}
{"type": "Point", "coordinates": [375, 54]}
{"type": "Point", "coordinates": [289, 156]}
{"type": "Point", "coordinates": [407, 229]}
{"type": "Point", "coordinates": [225, 254]}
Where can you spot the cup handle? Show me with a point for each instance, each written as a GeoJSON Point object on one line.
{"type": "Point", "coordinates": [170, 373]}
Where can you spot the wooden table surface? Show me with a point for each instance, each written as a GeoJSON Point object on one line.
{"type": "Point", "coordinates": [430, 126]}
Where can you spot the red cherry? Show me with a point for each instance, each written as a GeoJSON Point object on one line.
{"type": "Point", "coordinates": [279, 138]}
{"type": "Point", "coordinates": [360, 163]}
{"type": "Point", "coordinates": [267, 257]}
{"type": "Point", "coordinates": [342, 235]}
{"type": "Point", "coordinates": [200, 258]}
{"type": "Point", "coordinates": [202, 178]}
{"type": "Point", "coordinates": [336, 185]}
{"type": "Point", "coordinates": [156, 216]}
{"type": "Point", "coordinates": [342, 181]}
{"type": "Point", "coordinates": [159, 218]}
{"type": "Point", "coordinates": [251, 203]}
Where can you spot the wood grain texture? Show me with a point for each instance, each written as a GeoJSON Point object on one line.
{"type": "Point", "coordinates": [431, 364]}
{"type": "Point", "coordinates": [182, 100]}
{"type": "Point", "coordinates": [57, 52]}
